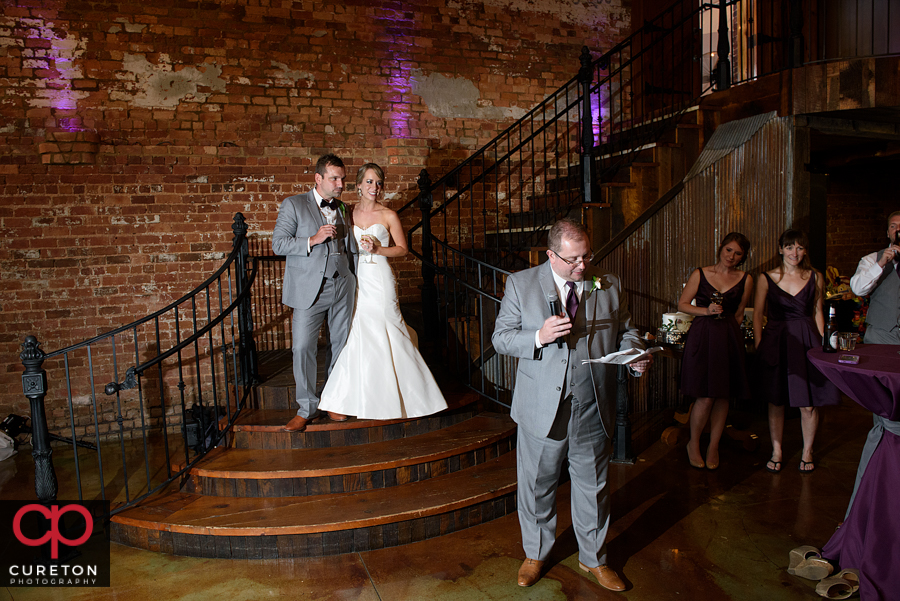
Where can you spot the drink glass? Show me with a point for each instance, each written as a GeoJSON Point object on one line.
{"type": "Point", "coordinates": [847, 341]}
{"type": "Point", "coordinates": [716, 298]}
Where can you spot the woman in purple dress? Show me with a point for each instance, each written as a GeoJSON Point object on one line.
{"type": "Point", "coordinates": [790, 296]}
{"type": "Point", "coordinates": [713, 367]}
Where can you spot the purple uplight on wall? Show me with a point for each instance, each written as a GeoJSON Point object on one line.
{"type": "Point", "coordinates": [399, 88]}
{"type": "Point", "coordinates": [55, 67]}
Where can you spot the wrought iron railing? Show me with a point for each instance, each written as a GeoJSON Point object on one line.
{"type": "Point", "coordinates": [192, 370]}
{"type": "Point", "coordinates": [486, 216]}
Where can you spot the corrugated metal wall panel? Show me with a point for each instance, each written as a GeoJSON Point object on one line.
{"type": "Point", "coordinates": [748, 190]}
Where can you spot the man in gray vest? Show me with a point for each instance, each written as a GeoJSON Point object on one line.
{"type": "Point", "coordinates": [313, 230]}
{"type": "Point", "coordinates": [564, 408]}
{"type": "Point", "coordinates": [878, 275]}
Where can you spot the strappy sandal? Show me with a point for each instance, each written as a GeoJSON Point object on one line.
{"type": "Point", "coordinates": [807, 562]}
{"type": "Point", "coordinates": [773, 470]}
{"type": "Point", "coordinates": [840, 586]}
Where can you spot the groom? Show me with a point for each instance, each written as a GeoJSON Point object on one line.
{"type": "Point", "coordinates": [313, 231]}
{"type": "Point", "coordinates": [564, 408]}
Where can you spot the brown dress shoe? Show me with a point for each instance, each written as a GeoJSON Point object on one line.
{"type": "Point", "coordinates": [606, 576]}
{"type": "Point", "coordinates": [337, 417]}
{"type": "Point", "coordinates": [297, 424]}
{"type": "Point", "coordinates": [530, 572]}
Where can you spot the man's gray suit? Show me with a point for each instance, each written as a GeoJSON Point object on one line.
{"type": "Point", "coordinates": [564, 409]}
{"type": "Point", "coordinates": [317, 284]}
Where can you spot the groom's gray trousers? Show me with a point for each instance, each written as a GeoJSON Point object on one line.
{"type": "Point", "coordinates": [334, 303]}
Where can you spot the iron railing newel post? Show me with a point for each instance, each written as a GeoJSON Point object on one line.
{"type": "Point", "coordinates": [723, 66]}
{"type": "Point", "coordinates": [34, 385]}
{"type": "Point", "coordinates": [796, 25]}
{"type": "Point", "coordinates": [429, 290]}
{"type": "Point", "coordinates": [247, 348]}
{"type": "Point", "coordinates": [585, 75]}
{"type": "Point", "coordinates": [623, 451]}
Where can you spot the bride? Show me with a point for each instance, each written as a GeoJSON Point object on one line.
{"type": "Point", "coordinates": [380, 373]}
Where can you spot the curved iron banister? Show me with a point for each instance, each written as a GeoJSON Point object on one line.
{"type": "Point", "coordinates": [212, 365]}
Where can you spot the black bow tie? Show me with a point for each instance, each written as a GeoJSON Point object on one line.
{"type": "Point", "coordinates": [331, 204]}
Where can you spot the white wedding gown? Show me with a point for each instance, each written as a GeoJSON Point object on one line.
{"type": "Point", "coordinates": [380, 373]}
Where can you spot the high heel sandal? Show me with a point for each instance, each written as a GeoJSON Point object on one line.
{"type": "Point", "coordinates": [695, 464]}
{"type": "Point", "coordinates": [840, 586]}
{"type": "Point", "coordinates": [807, 562]}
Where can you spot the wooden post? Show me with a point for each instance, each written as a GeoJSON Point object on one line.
{"type": "Point", "coordinates": [796, 24]}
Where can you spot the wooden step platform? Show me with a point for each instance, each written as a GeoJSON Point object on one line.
{"type": "Point", "coordinates": [338, 487]}
{"type": "Point", "coordinates": [254, 528]}
{"type": "Point", "coordinates": [303, 472]}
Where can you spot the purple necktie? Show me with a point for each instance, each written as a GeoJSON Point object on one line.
{"type": "Point", "coordinates": [897, 268]}
{"type": "Point", "coordinates": [571, 300]}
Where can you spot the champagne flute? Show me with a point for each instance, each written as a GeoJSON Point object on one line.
{"type": "Point", "coordinates": [367, 254]}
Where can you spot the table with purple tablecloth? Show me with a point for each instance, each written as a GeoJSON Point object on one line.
{"type": "Point", "coordinates": [869, 538]}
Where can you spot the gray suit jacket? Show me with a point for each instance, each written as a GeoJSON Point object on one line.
{"type": "Point", "coordinates": [541, 372]}
{"type": "Point", "coordinates": [298, 220]}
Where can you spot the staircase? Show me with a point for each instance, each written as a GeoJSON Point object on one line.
{"type": "Point", "coordinates": [334, 488]}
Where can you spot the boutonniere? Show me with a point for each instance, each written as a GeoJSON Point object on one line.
{"type": "Point", "coordinates": [596, 284]}
{"type": "Point", "coordinates": [343, 209]}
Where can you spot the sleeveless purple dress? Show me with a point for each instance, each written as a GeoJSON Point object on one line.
{"type": "Point", "coordinates": [713, 363]}
{"type": "Point", "coordinates": [786, 377]}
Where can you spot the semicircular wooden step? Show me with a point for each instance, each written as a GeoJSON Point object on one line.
{"type": "Point", "coordinates": [262, 428]}
{"type": "Point", "coordinates": [304, 472]}
{"type": "Point", "coordinates": [249, 528]}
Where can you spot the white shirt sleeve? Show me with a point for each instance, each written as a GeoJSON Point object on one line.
{"type": "Point", "coordinates": [867, 273]}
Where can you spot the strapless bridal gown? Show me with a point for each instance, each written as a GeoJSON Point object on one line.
{"type": "Point", "coordinates": [380, 373]}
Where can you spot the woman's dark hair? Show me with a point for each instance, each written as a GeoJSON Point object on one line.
{"type": "Point", "coordinates": [742, 241]}
{"type": "Point", "coordinates": [789, 237]}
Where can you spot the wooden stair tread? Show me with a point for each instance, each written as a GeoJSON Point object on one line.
{"type": "Point", "coordinates": [242, 516]}
{"type": "Point", "coordinates": [468, 435]}
{"type": "Point", "coordinates": [273, 420]}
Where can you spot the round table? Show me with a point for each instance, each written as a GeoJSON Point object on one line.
{"type": "Point", "coordinates": [869, 538]}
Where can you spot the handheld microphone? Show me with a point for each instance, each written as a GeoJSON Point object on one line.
{"type": "Point", "coordinates": [555, 309]}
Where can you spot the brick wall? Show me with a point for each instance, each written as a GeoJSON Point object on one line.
{"type": "Point", "coordinates": [134, 131]}
{"type": "Point", "coordinates": [860, 198]}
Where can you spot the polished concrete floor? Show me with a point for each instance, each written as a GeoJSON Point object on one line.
{"type": "Point", "coordinates": [677, 533]}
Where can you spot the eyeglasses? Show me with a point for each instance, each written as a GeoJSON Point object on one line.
{"type": "Point", "coordinates": [585, 259]}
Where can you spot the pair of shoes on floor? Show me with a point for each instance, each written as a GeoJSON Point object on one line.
{"type": "Point", "coordinates": [840, 586]}
{"type": "Point", "coordinates": [776, 466]}
{"type": "Point", "coordinates": [803, 467]}
{"type": "Point", "coordinates": [807, 562]}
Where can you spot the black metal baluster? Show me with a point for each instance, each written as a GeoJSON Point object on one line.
{"type": "Point", "coordinates": [34, 386]}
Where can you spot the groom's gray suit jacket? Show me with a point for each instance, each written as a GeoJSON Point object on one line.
{"type": "Point", "coordinates": [603, 321]}
{"type": "Point", "coordinates": [298, 220]}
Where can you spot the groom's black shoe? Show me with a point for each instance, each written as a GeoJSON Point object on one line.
{"type": "Point", "coordinates": [337, 417]}
{"type": "Point", "coordinates": [297, 424]}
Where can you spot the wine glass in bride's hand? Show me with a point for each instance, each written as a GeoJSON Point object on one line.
{"type": "Point", "coordinates": [366, 246]}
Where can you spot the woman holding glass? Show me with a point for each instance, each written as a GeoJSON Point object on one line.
{"type": "Point", "coordinates": [713, 366]}
{"type": "Point", "coordinates": [380, 373]}
{"type": "Point", "coordinates": [791, 297]}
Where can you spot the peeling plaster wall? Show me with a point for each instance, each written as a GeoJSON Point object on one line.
{"type": "Point", "coordinates": [189, 112]}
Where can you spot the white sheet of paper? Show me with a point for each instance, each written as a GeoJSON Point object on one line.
{"type": "Point", "coordinates": [625, 357]}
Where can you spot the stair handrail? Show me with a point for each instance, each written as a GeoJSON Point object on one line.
{"type": "Point", "coordinates": [238, 273]}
